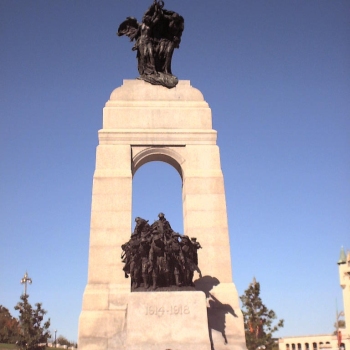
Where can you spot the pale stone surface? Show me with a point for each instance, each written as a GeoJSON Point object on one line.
{"type": "Point", "coordinates": [179, 137]}
{"type": "Point", "coordinates": [136, 90]}
{"type": "Point", "coordinates": [171, 320]}
{"type": "Point", "coordinates": [144, 123]}
{"type": "Point", "coordinates": [344, 276]}
{"type": "Point", "coordinates": [138, 105]}
{"type": "Point", "coordinates": [322, 341]}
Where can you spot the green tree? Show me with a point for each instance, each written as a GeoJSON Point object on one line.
{"type": "Point", "coordinates": [341, 324]}
{"type": "Point", "coordinates": [8, 326]}
{"type": "Point", "coordinates": [32, 331]}
{"type": "Point", "coordinates": [258, 319]}
{"type": "Point", "coordinates": [64, 341]}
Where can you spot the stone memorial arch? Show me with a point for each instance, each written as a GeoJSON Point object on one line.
{"type": "Point", "coordinates": [144, 123]}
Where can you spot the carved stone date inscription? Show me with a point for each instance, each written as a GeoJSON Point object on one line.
{"type": "Point", "coordinates": [154, 310]}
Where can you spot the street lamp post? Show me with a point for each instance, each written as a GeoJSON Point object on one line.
{"type": "Point", "coordinates": [26, 279]}
{"type": "Point", "coordinates": [55, 338]}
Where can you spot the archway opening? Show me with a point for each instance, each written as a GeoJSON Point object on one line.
{"type": "Point", "coordinates": [157, 187]}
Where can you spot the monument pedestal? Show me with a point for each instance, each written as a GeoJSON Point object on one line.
{"type": "Point", "coordinates": [167, 320]}
{"type": "Point", "coordinates": [144, 123]}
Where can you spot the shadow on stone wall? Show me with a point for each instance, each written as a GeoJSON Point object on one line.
{"type": "Point", "coordinates": [216, 310]}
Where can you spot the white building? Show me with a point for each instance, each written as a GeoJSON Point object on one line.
{"type": "Point", "coordinates": [327, 341]}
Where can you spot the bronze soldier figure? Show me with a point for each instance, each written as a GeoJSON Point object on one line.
{"type": "Point", "coordinates": [176, 257]}
{"type": "Point", "coordinates": [158, 259]}
{"type": "Point", "coordinates": [156, 251]}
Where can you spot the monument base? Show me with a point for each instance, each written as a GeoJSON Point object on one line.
{"type": "Point", "coordinates": [144, 123]}
{"type": "Point", "coordinates": [171, 320]}
{"type": "Point", "coordinates": [113, 318]}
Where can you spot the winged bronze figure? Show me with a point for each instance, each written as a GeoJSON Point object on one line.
{"type": "Point", "coordinates": [155, 39]}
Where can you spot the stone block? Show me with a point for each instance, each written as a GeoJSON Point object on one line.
{"type": "Point", "coordinates": [205, 218]}
{"type": "Point", "coordinates": [115, 185]}
{"type": "Point", "coordinates": [167, 320]}
{"type": "Point", "coordinates": [112, 202]}
{"type": "Point", "coordinates": [209, 236]}
{"type": "Point", "coordinates": [151, 116]}
{"type": "Point", "coordinates": [202, 157]}
{"type": "Point", "coordinates": [143, 136]}
{"type": "Point", "coordinates": [138, 90]}
{"type": "Point", "coordinates": [205, 202]}
{"type": "Point", "coordinates": [105, 237]}
{"type": "Point", "coordinates": [113, 157]}
{"type": "Point", "coordinates": [119, 221]}
{"type": "Point", "coordinates": [96, 297]}
{"type": "Point", "coordinates": [105, 265]}
{"type": "Point", "coordinates": [136, 105]}
{"type": "Point", "coordinates": [101, 324]}
{"type": "Point", "coordinates": [93, 343]}
{"type": "Point", "coordinates": [202, 184]}
{"type": "Point", "coordinates": [222, 267]}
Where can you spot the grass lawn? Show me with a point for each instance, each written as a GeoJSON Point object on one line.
{"type": "Point", "coordinates": [7, 346]}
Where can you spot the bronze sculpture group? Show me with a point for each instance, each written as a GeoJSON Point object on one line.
{"type": "Point", "coordinates": [155, 38]}
{"type": "Point", "coordinates": [156, 256]}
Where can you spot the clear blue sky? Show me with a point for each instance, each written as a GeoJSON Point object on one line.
{"type": "Point", "coordinates": [277, 77]}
